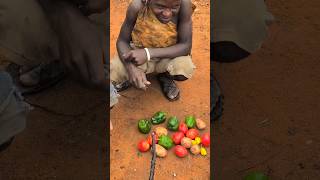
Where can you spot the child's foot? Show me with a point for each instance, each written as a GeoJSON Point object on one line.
{"type": "Point", "coordinates": [169, 87]}
{"type": "Point", "coordinates": [30, 80]}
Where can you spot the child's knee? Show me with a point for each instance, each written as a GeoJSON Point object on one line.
{"type": "Point", "coordinates": [182, 68]}
{"type": "Point", "coordinates": [118, 73]}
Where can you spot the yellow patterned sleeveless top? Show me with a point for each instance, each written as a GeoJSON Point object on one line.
{"type": "Point", "coordinates": [149, 32]}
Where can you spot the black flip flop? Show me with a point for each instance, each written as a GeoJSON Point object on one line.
{"type": "Point", "coordinates": [50, 74]}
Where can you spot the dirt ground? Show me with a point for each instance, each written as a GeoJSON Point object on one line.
{"type": "Point", "coordinates": [135, 104]}
{"type": "Point", "coordinates": [271, 119]}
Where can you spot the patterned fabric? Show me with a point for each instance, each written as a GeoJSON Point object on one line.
{"type": "Point", "coordinates": [149, 32]}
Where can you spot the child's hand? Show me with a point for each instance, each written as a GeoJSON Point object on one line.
{"type": "Point", "coordinates": [137, 77]}
{"type": "Point", "coordinates": [137, 56]}
{"type": "Point", "coordinates": [81, 46]}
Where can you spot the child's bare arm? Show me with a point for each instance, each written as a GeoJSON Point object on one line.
{"type": "Point", "coordinates": [136, 76]}
{"type": "Point", "coordinates": [123, 42]}
{"type": "Point", "coordinates": [76, 53]}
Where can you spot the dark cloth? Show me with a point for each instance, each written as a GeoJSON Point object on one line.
{"type": "Point", "coordinates": [216, 98]}
{"type": "Point", "coordinates": [226, 51]}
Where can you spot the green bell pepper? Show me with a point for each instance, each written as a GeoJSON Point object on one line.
{"type": "Point", "coordinates": [173, 123]}
{"type": "Point", "coordinates": [190, 121]}
{"type": "Point", "coordinates": [158, 117]}
{"type": "Point", "coordinates": [144, 126]}
{"type": "Point", "coordinates": [165, 141]}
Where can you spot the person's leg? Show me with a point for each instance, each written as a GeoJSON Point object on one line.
{"type": "Point", "coordinates": [26, 37]}
{"type": "Point", "coordinates": [179, 69]}
{"type": "Point", "coordinates": [25, 33]}
{"type": "Point", "coordinates": [226, 51]}
{"type": "Point", "coordinates": [12, 111]}
{"type": "Point", "coordinates": [118, 74]}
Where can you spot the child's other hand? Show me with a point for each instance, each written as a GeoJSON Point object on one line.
{"type": "Point", "coordinates": [137, 56]}
{"type": "Point", "coordinates": [81, 47]}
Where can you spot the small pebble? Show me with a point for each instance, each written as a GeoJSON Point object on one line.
{"type": "Point", "coordinates": [134, 170]}
{"type": "Point", "coordinates": [174, 174]}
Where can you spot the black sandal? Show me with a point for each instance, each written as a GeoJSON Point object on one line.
{"type": "Point", "coordinates": [49, 73]}
{"type": "Point", "coordinates": [169, 87]}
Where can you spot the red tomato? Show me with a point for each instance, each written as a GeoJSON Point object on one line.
{"type": "Point", "coordinates": [180, 151]}
{"type": "Point", "coordinates": [192, 133]}
{"type": "Point", "coordinates": [143, 145]}
{"type": "Point", "coordinates": [205, 140]}
{"type": "Point", "coordinates": [149, 139]}
{"type": "Point", "coordinates": [177, 137]}
{"type": "Point", "coordinates": [183, 127]}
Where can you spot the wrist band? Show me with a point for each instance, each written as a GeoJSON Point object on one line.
{"type": "Point", "coordinates": [148, 53]}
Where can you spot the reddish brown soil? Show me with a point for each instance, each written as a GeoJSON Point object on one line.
{"type": "Point", "coordinates": [135, 104]}
{"type": "Point", "coordinates": [271, 119]}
